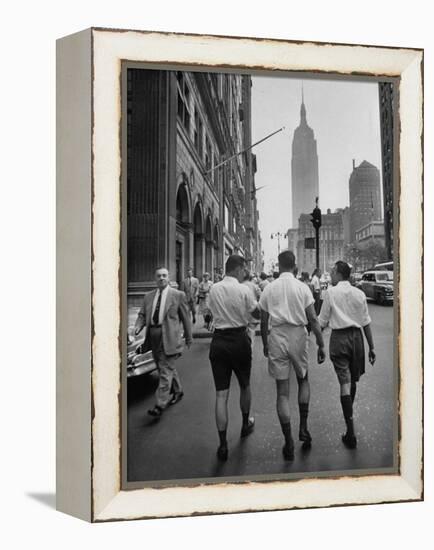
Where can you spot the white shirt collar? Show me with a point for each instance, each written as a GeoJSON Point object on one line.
{"type": "Point", "coordinates": [287, 274]}
{"type": "Point", "coordinates": [230, 279]}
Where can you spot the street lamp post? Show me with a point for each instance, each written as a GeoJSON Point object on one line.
{"type": "Point", "coordinates": [278, 235]}
{"type": "Point", "coordinates": [315, 218]}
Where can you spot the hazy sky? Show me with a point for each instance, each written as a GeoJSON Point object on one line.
{"type": "Point", "coordinates": [344, 116]}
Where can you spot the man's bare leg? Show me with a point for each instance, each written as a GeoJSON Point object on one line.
{"type": "Point", "coordinates": [221, 417]}
{"type": "Point", "coordinates": [282, 407]}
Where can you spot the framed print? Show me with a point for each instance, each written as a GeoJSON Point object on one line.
{"type": "Point", "coordinates": [239, 274]}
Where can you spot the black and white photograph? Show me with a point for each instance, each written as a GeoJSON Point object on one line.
{"type": "Point", "coordinates": [258, 276]}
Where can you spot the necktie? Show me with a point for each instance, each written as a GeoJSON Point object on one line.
{"type": "Point", "coordinates": [156, 316]}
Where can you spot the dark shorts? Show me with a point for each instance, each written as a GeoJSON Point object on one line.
{"type": "Point", "coordinates": [230, 350]}
{"type": "Point", "coordinates": [347, 353]}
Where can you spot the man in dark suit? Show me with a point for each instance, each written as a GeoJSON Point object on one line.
{"type": "Point", "coordinates": [190, 285]}
{"type": "Point", "coordinates": [164, 312]}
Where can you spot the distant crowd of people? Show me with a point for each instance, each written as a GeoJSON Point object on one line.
{"type": "Point", "coordinates": [287, 306]}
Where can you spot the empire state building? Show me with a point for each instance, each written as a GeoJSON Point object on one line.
{"type": "Point", "coordinates": [304, 169]}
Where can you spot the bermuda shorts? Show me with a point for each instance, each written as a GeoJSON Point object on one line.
{"type": "Point", "coordinates": [230, 351]}
{"type": "Point", "coordinates": [347, 353]}
{"type": "Point", "coordinates": [288, 347]}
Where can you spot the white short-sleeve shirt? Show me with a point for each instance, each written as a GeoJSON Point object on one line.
{"type": "Point", "coordinates": [344, 306]}
{"type": "Point", "coordinates": [286, 300]}
{"type": "Point", "coordinates": [231, 303]}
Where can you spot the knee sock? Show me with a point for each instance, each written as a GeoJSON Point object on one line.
{"type": "Point", "coordinates": [245, 418]}
{"type": "Point", "coordinates": [222, 437]}
{"type": "Point", "coordinates": [286, 429]}
{"type": "Point", "coordinates": [347, 409]}
{"type": "Point", "coordinates": [304, 411]}
{"type": "Point", "coordinates": [353, 392]}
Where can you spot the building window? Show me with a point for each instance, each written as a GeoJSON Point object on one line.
{"type": "Point", "coordinates": [208, 153]}
{"type": "Point", "coordinates": [183, 100]}
{"type": "Point", "coordinates": [198, 133]}
{"type": "Point", "coordinates": [226, 216]}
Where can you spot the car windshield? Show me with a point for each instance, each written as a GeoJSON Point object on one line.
{"type": "Point", "coordinates": [386, 276]}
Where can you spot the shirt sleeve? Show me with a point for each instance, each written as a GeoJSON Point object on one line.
{"type": "Point", "coordinates": [211, 301]}
{"type": "Point", "coordinates": [251, 303]}
{"type": "Point", "coordinates": [324, 316]}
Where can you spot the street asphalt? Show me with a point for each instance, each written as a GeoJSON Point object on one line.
{"type": "Point", "coordinates": [182, 444]}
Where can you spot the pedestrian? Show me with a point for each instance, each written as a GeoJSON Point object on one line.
{"type": "Point", "coordinates": [304, 278]}
{"type": "Point", "coordinates": [256, 294]}
{"type": "Point", "coordinates": [316, 286]}
{"type": "Point", "coordinates": [289, 305]}
{"type": "Point", "coordinates": [231, 305]}
{"type": "Point", "coordinates": [163, 311]}
{"type": "Point", "coordinates": [203, 299]}
{"type": "Point", "coordinates": [345, 310]}
{"type": "Point", "coordinates": [263, 282]}
{"type": "Point", "coordinates": [190, 286]}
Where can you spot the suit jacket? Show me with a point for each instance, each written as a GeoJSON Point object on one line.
{"type": "Point", "coordinates": [191, 290]}
{"type": "Point", "coordinates": [175, 314]}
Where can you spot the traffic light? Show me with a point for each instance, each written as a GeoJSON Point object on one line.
{"type": "Point", "coordinates": [315, 217]}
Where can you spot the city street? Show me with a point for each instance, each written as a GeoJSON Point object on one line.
{"type": "Point", "coordinates": [182, 444]}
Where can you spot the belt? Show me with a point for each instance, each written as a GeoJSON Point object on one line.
{"type": "Point", "coordinates": [229, 330]}
{"type": "Point", "coordinates": [346, 329]}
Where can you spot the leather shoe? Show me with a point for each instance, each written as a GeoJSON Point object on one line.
{"type": "Point", "coordinates": [288, 451]}
{"type": "Point", "coordinates": [248, 428]}
{"type": "Point", "coordinates": [349, 441]}
{"type": "Point", "coordinates": [305, 437]}
{"type": "Point", "coordinates": [176, 397]}
{"type": "Point", "coordinates": [222, 453]}
{"type": "Point", "coordinates": [156, 412]}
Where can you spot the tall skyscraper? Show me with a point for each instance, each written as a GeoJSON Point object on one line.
{"type": "Point", "coordinates": [304, 168]}
{"type": "Point", "coordinates": [365, 201]}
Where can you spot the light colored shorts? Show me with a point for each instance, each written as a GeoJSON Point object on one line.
{"type": "Point", "coordinates": [288, 346]}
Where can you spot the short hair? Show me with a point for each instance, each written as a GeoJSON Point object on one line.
{"type": "Point", "coordinates": [234, 262]}
{"type": "Point", "coordinates": [161, 267]}
{"type": "Point", "coordinates": [275, 274]}
{"type": "Point", "coordinates": [304, 276]}
{"type": "Point", "coordinates": [189, 269]}
{"type": "Point", "coordinates": [286, 259]}
{"type": "Point", "coordinates": [263, 275]}
{"type": "Point", "coordinates": [344, 269]}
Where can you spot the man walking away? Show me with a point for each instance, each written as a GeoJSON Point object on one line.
{"type": "Point", "coordinates": [290, 306]}
{"type": "Point", "coordinates": [264, 281]}
{"type": "Point", "coordinates": [231, 305]}
{"type": "Point", "coordinates": [163, 312]}
{"type": "Point", "coordinates": [190, 286]}
{"type": "Point", "coordinates": [345, 310]}
{"type": "Point", "coordinates": [316, 286]}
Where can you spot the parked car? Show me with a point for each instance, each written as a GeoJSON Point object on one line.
{"type": "Point", "coordinates": [138, 363]}
{"type": "Point", "coordinates": [377, 285]}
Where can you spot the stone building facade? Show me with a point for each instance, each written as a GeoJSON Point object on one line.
{"type": "Point", "coordinates": [386, 99]}
{"type": "Point", "coordinates": [187, 206]}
